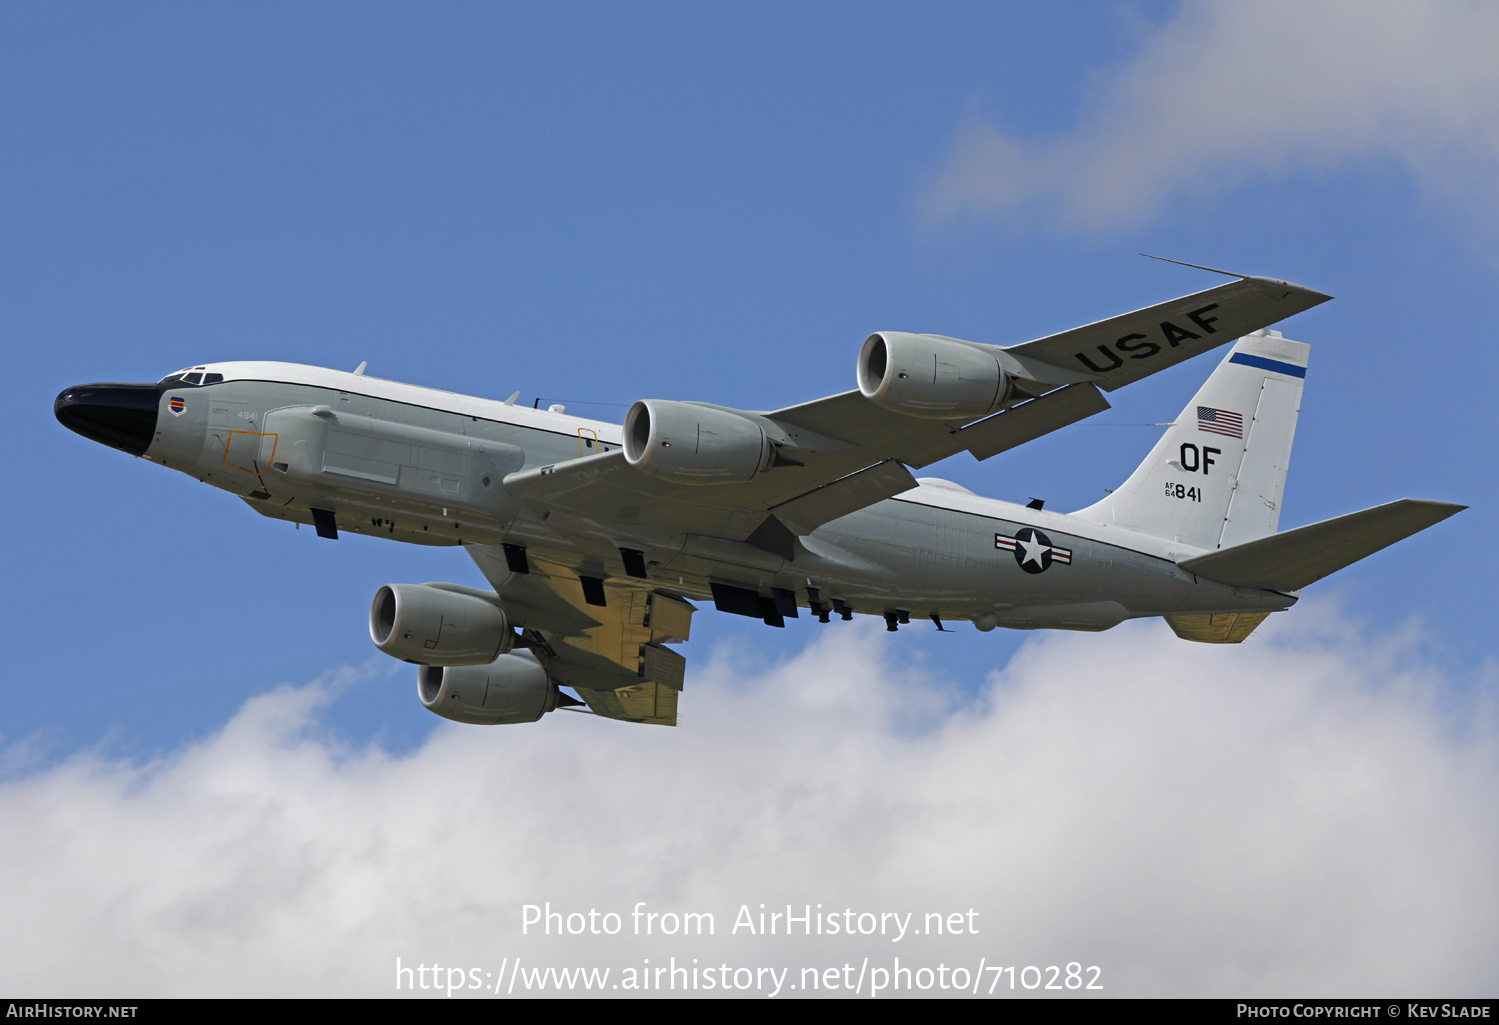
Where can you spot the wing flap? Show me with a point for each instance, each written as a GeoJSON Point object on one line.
{"type": "Point", "coordinates": [641, 702]}
{"type": "Point", "coordinates": [1291, 560]}
{"type": "Point", "coordinates": [806, 513]}
{"type": "Point", "coordinates": [1030, 420]}
{"type": "Point", "coordinates": [1218, 628]}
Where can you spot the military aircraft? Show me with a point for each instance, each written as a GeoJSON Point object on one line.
{"type": "Point", "coordinates": [597, 538]}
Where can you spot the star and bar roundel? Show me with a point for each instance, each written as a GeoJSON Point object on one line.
{"type": "Point", "coordinates": [1033, 550]}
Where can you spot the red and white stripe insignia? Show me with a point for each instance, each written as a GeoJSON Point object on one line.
{"type": "Point", "coordinates": [1009, 544]}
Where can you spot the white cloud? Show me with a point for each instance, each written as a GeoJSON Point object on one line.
{"type": "Point", "coordinates": [1226, 93]}
{"type": "Point", "coordinates": [1288, 816]}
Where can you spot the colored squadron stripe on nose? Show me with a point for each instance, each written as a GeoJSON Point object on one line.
{"type": "Point", "coordinates": [1220, 421]}
{"type": "Point", "coordinates": [1033, 550]}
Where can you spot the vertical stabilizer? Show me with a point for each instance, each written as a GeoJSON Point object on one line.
{"type": "Point", "coordinates": [1217, 476]}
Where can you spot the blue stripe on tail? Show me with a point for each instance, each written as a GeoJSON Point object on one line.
{"type": "Point", "coordinates": [1289, 369]}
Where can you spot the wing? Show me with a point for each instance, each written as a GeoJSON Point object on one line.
{"type": "Point", "coordinates": [1121, 350]}
{"type": "Point", "coordinates": [606, 639]}
{"type": "Point", "coordinates": [840, 454]}
{"type": "Point", "coordinates": [605, 634]}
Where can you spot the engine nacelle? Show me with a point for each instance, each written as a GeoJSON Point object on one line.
{"type": "Point", "coordinates": [513, 688]}
{"type": "Point", "coordinates": [431, 625]}
{"type": "Point", "coordinates": [690, 444]}
{"type": "Point", "coordinates": [931, 376]}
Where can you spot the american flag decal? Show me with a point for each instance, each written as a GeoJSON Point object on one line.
{"type": "Point", "coordinates": [1220, 421]}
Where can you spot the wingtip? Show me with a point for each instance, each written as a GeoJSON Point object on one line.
{"type": "Point", "coordinates": [1312, 293]}
{"type": "Point", "coordinates": [1436, 509]}
{"type": "Point", "coordinates": [1321, 297]}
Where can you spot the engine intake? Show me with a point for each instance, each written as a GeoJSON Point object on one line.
{"type": "Point", "coordinates": [514, 688]}
{"type": "Point", "coordinates": [686, 443]}
{"type": "Point", "coordinates": [431, 625]}
{"type": "Point", "coordinates": [931, 376]}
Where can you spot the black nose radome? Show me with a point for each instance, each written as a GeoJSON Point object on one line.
{"type": "Point", "coordinates": [122, 416]}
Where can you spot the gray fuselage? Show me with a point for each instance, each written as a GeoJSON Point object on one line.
{"type": "Point", "coordinates": [425, 466]}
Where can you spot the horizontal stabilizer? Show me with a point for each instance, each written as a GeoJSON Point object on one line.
{"type": "Point", "coordinates": [1290, 561]}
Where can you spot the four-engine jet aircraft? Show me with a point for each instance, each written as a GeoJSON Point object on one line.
{"type": "Point", "coordinates": [596, 537]}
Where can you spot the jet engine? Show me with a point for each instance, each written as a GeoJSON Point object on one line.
{"type": "Point", "coordinates": [513, 688]}
{"type": "Point", "coordinates": [931, 376]}
{"type": "Point", "coordinates": [439, 625]}
{"type": "Point", "coordinates": [685, 443]}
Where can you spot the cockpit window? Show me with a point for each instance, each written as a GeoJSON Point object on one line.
{"type": "Point", "coordinates": [192, 377]}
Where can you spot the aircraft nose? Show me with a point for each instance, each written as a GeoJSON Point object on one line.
{"type": "Point", "coordinates": [122, 416]}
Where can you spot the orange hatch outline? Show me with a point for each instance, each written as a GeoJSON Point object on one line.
{"type": "Point", "coordinates": [257, 470]}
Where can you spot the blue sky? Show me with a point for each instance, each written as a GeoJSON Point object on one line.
{"type": "Point", "coordinates": [596, 203]}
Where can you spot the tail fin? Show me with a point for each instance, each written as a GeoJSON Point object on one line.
{"type": "Point", "coordinates": [1215, 479]}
